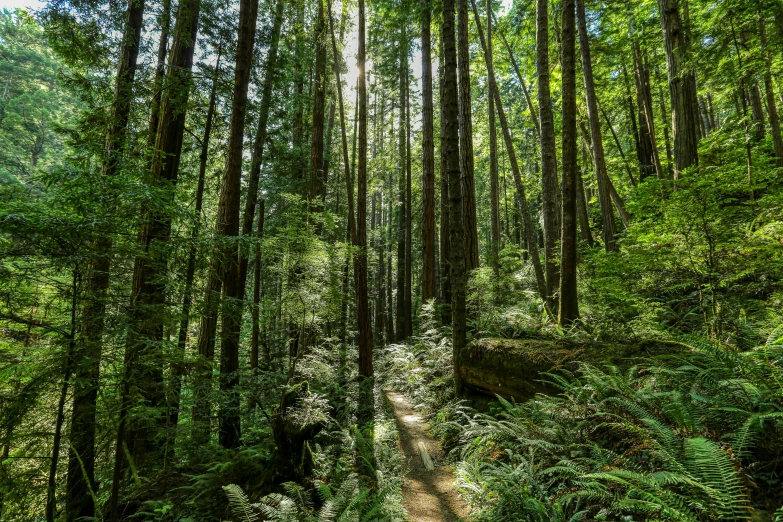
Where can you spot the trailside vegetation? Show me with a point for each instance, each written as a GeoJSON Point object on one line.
{"type": "Point", "coordinates": [226, 228]}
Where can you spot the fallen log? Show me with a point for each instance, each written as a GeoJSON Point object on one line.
{"type": "Point", "coordinates": [515, 368]}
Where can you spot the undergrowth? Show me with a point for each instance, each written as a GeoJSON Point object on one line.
{"type": "Point", "coordinates": [336, 492]}
{"type": "Point", "coordinates": [692, 437]}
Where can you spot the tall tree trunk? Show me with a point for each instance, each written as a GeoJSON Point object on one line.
{"type": "Point", "coordinates": [256, 324]}
{"type": "Point", "coordinates": [299, 105]}
{"type": "Point", "coordinates": [648, 144]}
{"type": "Point", "coordinates": [228, 230]}
{"type": "Point", "coordinates": [317, 184]}
{"type": "Point", "coordinates": [360, 276]}
{"type": "Point", "coordinates": [450, 110]}
{"type": "Point", "coordinates": [177, 370]}
{"type": "Point", "coordinates": [682, 88]}
{"type": "Point", "coordinates": [259, 142]}
{"type": "Point", "coordinates": [445, 250]}
{"type": "Point", "coordinates": [428, 286]}
{"type": "Point", "coordinates": [88, 351]}
{"type": "Point", "coordinates": [148, 291]}
{"type": "Point", "coordinates": [401, 324]}
{"type": "Point", "coordinates": [769, 90]}
{"type": "Point", "coordinates": [646, 151]}
{"type": "Point", "coordinates": [493, 160]}
{"type": "Point", "coordinates": [352, 233]}
{"type": "Point", "coordinates": [160, 70]}
{"type": "Point", "coordinates": [521, 196]}
{"type": "Point", "coordinates": [599, 161]}
{"type": "Point", "coordinates": [408, 212]}
{"type": "Point", "coordinates": [466, 139]}
{"type": "Point", "coordinates": [51, 490]}
{"type": "Point", "coordinates": [569, 304]}
{"type": "Point", "coordinates": [549, 184]}
{"type": "Point", "coordinates": [581, 203]}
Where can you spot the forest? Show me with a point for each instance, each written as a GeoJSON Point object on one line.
{"type": "Point", "coordinates": [388, 260]}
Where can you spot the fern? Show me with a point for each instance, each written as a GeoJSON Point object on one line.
{"type": "Point", "coordinates": [240, 505]}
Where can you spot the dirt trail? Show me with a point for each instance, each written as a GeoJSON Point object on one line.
{"type": "Point", "coordinates": [429, 496]}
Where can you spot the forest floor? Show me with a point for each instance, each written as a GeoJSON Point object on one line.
{"type": "Point", "coordinates": [429, 496]}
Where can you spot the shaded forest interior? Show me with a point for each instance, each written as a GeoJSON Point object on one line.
{"type": "Point", "coordinates": [229, 229]}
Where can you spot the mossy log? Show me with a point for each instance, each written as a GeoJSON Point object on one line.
{"type": "Point", "coordinates": [514, 368]}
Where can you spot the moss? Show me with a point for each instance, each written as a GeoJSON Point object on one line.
{"type": "Point", "coordinates": [514, 368]}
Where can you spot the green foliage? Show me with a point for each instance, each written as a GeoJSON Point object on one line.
{"type": "Point", "coordinates": [346, 504]}
{"type": "Point", "coordinates": [670, 440]}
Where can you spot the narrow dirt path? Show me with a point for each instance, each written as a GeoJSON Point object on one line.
{"type": "Point", "coordinates": [429, 496]}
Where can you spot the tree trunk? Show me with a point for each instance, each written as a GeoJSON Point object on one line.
{"type": "Point", "coordinates": [51, 490]}
{"type": "Point", "coordinates": [160, 71]}
{"type": "Point", "coordinates": [646, 151]}
{"type": "Point", "coordinates": [259, 142]}
{"type": "Point", "coordinates": [769, 89]}
{"type": "Point", "coordinates": [256, 324]}
{"type": "Point", "coordinates": [445, 250]}
{"type": "Point", "coordinates": [177, 370]}
{"type": "Point", "coordinates": [428, 286]}
{"type": "Point", "coordinates": [493, 160]}
{"type": "Point", "coordinates": [147, 307]}
{"type": "Point", "coordinates": [682, 88]}
{"type": "Point", "coordinates": [569, 305]}
{"type": "Point", "coordinates": [451, 141]}
{"type": "Point", "coordinates": [549, 184]}
{"type": "Point", "coordinates": [466, 139]}
{"type": "Point", "coordinates": [317, 184]}
{"type": "Point", "coordinates": [228, 229]}
{"type": "Point", "coordinates": [360, 276]}
{"type": "Point", "coordinates": [584, 218]}
{"type": "Point", "coordinates": [599, 161]}
{"type": "Point", "coordinates": [408, 212]}
{"type": "Point", "coordinates": [352, 233]}
{"type": "Point", "coordinates": [401, 201]}
{"type": "Point", "coordinates": [88, 351]}
{"type": "Point", "coordinates": [648, 144]}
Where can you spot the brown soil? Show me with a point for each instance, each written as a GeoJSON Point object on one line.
{"type": "Point", "coordinates": [429, 496]}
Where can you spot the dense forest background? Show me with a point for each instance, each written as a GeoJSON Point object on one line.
{"type": "Point", "coordinates": [226, 227]}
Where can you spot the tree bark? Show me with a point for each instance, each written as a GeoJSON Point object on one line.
{"type": "Point", "coordinates": [228, 230]}
{"type": "Point", "coordinates": [569, 304]}
{"type": "Point", "coordinates": [352, 234]}
{"type": "Point", "coordinates": [317, 185]}
{"type": "Point", "coordinates": [466, 139]}
{"type": "Point", "coordinates": [648, 144]}
{"type": "Point", "coordinates": [769, 90]}
{"type": "Point", "coordinates": [549, 184]}
{"type": "Point", "coordinates": [428, 286]}
{"type": "Point", "coordinates": [362, 307]}
{"type": "Point", "coordinates": [408, 212]}
{"type": "Point", "coordinates": [160, 70]}
{"type": "Point", "coordinates": [88, 351]}
{"type": "Point", "coordinates": [401, 324]}
{"type": "Point", "coordinates": [256, 323]}
{"type": "Point", "coordinates": [445, 250]}
{"type": "Point", "coordinates": [177, 370]}
{"type": "Point", "coordinates": [584, 218]}
{"type": "Point", "coordinates": [450, 107]}
{"type": "Point", "coordinates": [148, 291]}
{"type": "Point", "coordinates": [51, 490]}
{"type": "Point", "coordinates": [493, 160]}
{"type": "Point", "coordinates": [682, 88]}
{"type": "Point", "coordinates": [259, 142]}
{"type": "Point", "coordinates": [599, 161]}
